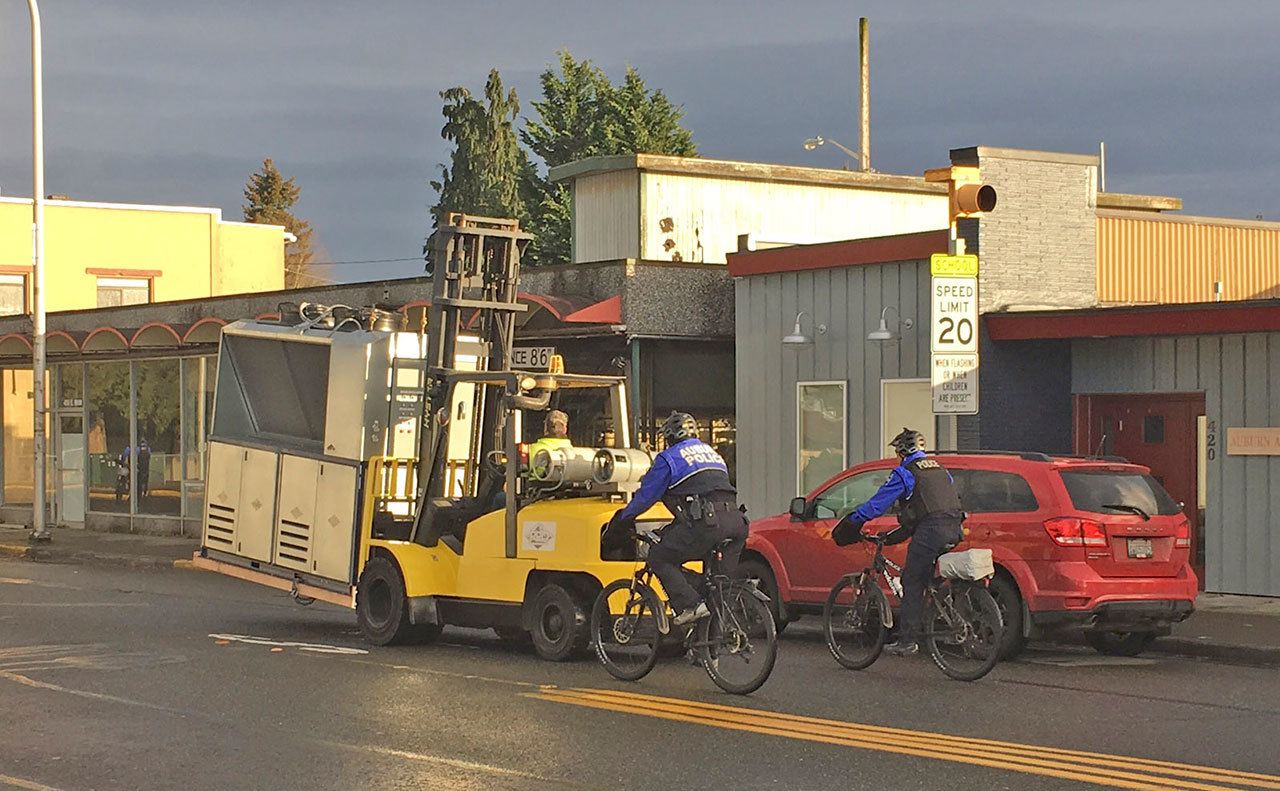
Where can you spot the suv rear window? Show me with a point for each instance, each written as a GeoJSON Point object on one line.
{"type": "Point", "coordinates": [1094, 491]}
{"type": "Point", "coordinates": [989, 492]}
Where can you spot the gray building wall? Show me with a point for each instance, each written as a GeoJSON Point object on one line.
{"type": "Point", "coordinates": [1038, 246]}
{"type": "Point", "coordinates": [1025, 392]}
{"type": "Point", "coordinates": [848, 300]}
{"type": "Point", "coordinates": [1240, 378]}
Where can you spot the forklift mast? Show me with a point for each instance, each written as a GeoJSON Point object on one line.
{"type": "Point", "coordinates": [474, 288]}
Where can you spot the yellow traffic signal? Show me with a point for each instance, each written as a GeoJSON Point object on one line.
{"type": "Point", "coordinates": [966, 192]}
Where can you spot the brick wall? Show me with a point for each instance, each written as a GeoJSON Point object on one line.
{"type": "Point", "coordinates": [1038, 247]}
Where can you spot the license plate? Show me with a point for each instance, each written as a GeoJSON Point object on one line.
{"type": "Point", "coordinates": [1140, 548]}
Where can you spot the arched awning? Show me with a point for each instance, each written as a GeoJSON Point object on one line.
{"type": "Point", "coordinates": [206, 330]}
{"type": "Point", "coordinates": [59, 342]}
{"type": "Point", "coordinates": [105, 339]}
{"type": "Point", "coordinates": [15, 345]}
{"type": "Point", "coordinates": [155, 335]}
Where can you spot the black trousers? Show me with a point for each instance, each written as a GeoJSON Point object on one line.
{"type": "Point", "coordinates": [683, 541]}
{"type": "Point", "coordinates": [933, 537]}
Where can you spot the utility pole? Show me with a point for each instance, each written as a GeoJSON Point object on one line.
{"type": "Point", "coordinates": [39, 531]}
{"type": "Point", "coordinates": [865, 106]}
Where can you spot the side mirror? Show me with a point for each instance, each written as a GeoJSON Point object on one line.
{"type": "Point", "coordinates": [799, 508]}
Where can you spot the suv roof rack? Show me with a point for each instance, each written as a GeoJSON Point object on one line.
{"type": "Point", "coordinates": [1022, 454]}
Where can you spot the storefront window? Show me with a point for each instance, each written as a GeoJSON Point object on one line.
{"type": "Point", "coordinates": [158, 455]}
{"type": "Point", "coordinates": [197, 414]}
{"type": "Point", "coordinates": [108, 399]}
{"type": "Point", "coordinates": [19, 442]}
{"type": "Point", "coordinates": [820, 433]}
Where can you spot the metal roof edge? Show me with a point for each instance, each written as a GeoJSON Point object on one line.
{"type": "Point", "coordinates": [747, 171]}
{"type": "Point", "coordinates": [972, 155]}
{"type": "Point", "coordinates": [1189, 219]}
{"type": "Point", "coordinates": [1149, 203]}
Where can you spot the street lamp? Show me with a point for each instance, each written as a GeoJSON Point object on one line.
{"type": "Point", "coordinates": [39, 530]}
{"type": "Point", "coordinates": [813, 143]}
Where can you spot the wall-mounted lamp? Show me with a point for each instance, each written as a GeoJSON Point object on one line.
{"type": "Point", "coordinates": [883, 333]}
{"type": "Point", "coordinates": [797, 336]}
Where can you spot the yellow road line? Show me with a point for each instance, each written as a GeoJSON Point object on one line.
{"type": "Point", "coordinates": [854, 735]}
{"type": "Point", "coordinates": [1193, 770]}
{"type": "Point", "coordinates": [29, 785]}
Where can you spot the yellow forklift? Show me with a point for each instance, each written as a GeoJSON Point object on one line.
{"type": "Point", "coordinates": [357, 463]}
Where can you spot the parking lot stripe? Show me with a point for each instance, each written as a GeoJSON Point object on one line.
{"type": "Point", "coordinates": [1099, 769]}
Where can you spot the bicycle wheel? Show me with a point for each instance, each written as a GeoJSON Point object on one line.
{"type": "Point", "coordinates": [738, 643]}
{"type": "Point", "coordinates": [964, 630]}
{"type": "Point", "coordinates": [624, 629]}
{"type": "Point", "coordinates": [853, 621]}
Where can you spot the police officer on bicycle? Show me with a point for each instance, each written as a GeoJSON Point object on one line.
{"type": "Point", "coordinates": [692, 481]}
{"type": "Point", "coordinates": [931, 517]}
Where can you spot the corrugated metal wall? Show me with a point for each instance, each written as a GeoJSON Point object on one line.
{"type": "Point", "coordinates": [848, 301]}
{"type": "Point", "coordinates": [1240, 377]}
{"type": "Point", "coordinates": [606, 211]}
{"type": "Point", "coordinates": [1145, 259]}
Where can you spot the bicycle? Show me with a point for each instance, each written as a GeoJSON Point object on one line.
{"type": "Point", "coordinates": [737, 645]}
{"type": "Point", "coordinates": [962, 622]}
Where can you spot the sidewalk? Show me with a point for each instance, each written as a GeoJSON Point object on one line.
{"type": "Point", "coordinates": [1228, 628]}
{"type": "Point", "coordinates": [84, 546]}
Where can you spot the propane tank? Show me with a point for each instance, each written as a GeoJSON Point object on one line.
{"type": "Point", "coordinates": [566, 466]}
{"type": "Point", "coordinates": [621, 465]}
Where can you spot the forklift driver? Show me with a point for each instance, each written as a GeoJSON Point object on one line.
{"type": "Point", "coordinates": [555, 436]}
{"type": "Point", "coordinates": [692, 481]}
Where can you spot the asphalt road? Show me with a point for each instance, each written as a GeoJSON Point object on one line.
{"type": "Point", "coordinates": [180, 679]}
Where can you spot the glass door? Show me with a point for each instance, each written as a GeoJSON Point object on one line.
{"type": "Point", "coordinates": [70, 444]}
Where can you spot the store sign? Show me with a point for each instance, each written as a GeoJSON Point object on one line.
{"type": "Point", "coordinates": [1253, 441]}
{"type": "Point", "coordinates": [532, 358]}
{"type": "Point", "coordinates": [955, 384]}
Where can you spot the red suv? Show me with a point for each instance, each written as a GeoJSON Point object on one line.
{"type": "Point", "coordinates": [1092, 544]}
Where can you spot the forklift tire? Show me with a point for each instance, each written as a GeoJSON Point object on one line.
{"type": "Point", "coordinates": [382, 609]}
{"type": "Point", "coordinates": [561, 628]}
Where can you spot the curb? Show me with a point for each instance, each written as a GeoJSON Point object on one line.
{"type": "Point", "coordinates": [1230, 653]}
{"type": "Point", "coordinates": [45, 554]}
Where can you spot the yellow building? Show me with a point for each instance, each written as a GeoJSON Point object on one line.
{"type": "Point", "coordinates": [101, 255]}
{"type": "Point", "coordinates": [107, 254]}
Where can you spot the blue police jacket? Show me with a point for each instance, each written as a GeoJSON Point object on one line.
{"type": "Point", "coordinates": [901, 484]}
{"type": "Point", "coordinates": [673, 466]}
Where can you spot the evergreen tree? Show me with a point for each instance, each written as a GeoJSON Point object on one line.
{"type": "Point", "coordinates": [488, 173]}
{"type": "Point", "coordinates": [269, 200]}
{"type": "Point", "coordinates": [582, 114]}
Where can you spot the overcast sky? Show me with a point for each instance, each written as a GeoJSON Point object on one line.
{"type": "Point", "coordinates": [177, 101]}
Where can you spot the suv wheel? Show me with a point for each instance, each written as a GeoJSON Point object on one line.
{"type": "Point", "coordinates": [755, 569]}
{"type": "Point", "coordinates": [1119, 643]}
{"type": "Point", "coordinates": [1005, 592]}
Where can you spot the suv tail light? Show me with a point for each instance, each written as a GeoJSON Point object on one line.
{"type": "Point", "coordinates": [1182, 534]}
{"type": "Point", "coordinates": [1068, 531]}
{"type": "Point", "coordinates": [523, 450]}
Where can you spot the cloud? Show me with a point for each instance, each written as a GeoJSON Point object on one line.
{"type": "Point", "coordinates": [157, 102]}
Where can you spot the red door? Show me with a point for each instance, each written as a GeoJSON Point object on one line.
{"type": "Point", "coordinates": [1157, 431]}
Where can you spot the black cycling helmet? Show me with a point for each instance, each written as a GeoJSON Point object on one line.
{"type": "Point", "coordinates": [678, 427]}
{"type": "Point", "coordinates": [908, 442]}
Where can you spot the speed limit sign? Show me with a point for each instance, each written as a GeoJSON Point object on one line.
{"type": "Point", "coordinates": [955, 315]}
